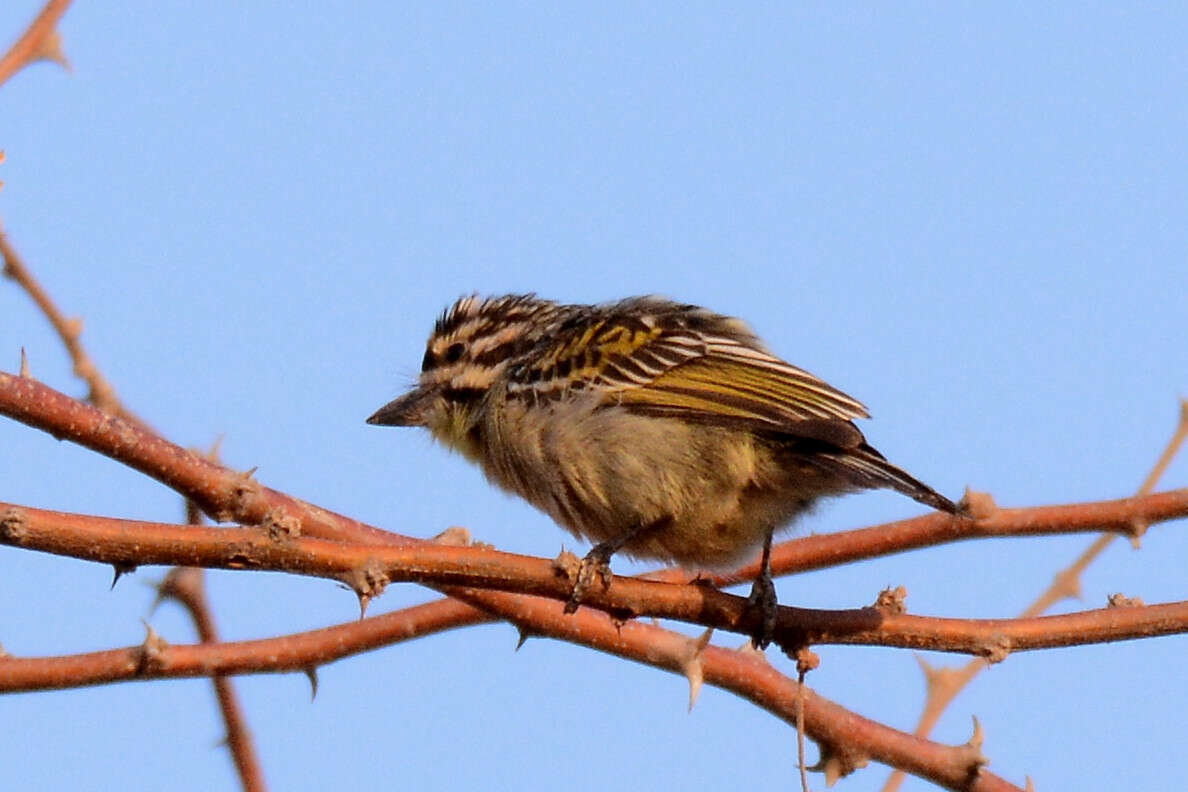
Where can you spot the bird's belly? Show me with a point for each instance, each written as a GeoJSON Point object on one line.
{"type": "Point", "coordinates": [702, 497]}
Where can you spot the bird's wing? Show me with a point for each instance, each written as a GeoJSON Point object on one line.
{"type": "Point", "coordinates": [662, 359]}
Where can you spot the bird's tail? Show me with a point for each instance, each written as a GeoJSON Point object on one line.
{"type": "Point", "coordinates": [867, 468]}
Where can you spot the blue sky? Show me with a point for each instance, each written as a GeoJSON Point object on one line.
{"type": "Point", "coordinates": [969, 217]}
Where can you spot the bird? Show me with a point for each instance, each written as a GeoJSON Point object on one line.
{"type": "Point", "coordinates": [656, 428]}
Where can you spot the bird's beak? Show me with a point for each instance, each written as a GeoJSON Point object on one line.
{"type": "Point", "coordinates": [411, 409]}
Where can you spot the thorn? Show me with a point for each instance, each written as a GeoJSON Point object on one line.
{"type": "Point", "coordinates": [367, 582]}
{"type": "Point", "coordinates": [50, 49]}
{"type": "Point", "coordinates": [185, 585]}
{"type": "Point", "coordinates": [833, 771]}
{"type": "Point", "coordinates": [696, 676]}
{"type": "Point", "coordinates": [1030, 787]}
{"type": "Point", "coordinates": [4, 652]}
{"type": "Point", "coordinates": [24, 364]}
{"type": "Point", "coordinates": [931, 672]}
{"type": "Point", "coordinates": [1138, 528]}
{"type": "Point", "coordinates": [692, 666]}
{"type": "Point", "coordinates": [836, 763]}
{"type": "Point", "coordinates": [216, 448]}
{"type": "Point", "coordinates": [311, 673]}
{"type": "Point", "coordinates": [941, 680]}
{"type": "Point", "coordinates": [243, 489]}
{"type": "Point", "coordinates": [566, 565]}
{"type": "Point", "coordinates": [749, 648]}
{"type": "Point", "coordinates": [152, 651]}
{"type": "Point", "coordinates": [891, 600]}
{"type": "Point", "coordinates": [150, 635]}
{"type": "Point", "coordinates": [977, 759]}
{"type": "Point", "coordinates": [119, 570]}
{"type": "Point", "coordinates": [157, 586]}
{"type": "Point", "coordinates": [246, 482]}
{"type": "Point", "coordinates": [281, 525]}
{"type": "Point", "coordinates": [978, 736]}
{"type": "Point", "coordinates": [996, 649]}
{"type": "Point", "coordinates": [454, 536]}
{"type": "Point", "coordinates": [1120, 600]}
{"type": "Point", "coordinates": [1067, 585]}
{"type": "Point", "coordinates": [977, 505]}
{"type": "Point", "coordinates": [524, 635]}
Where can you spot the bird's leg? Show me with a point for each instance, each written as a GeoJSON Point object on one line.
{"type": "Point", "coordinates": [596, 563]}
{"type": "Point", "coordinates": [763, 598]}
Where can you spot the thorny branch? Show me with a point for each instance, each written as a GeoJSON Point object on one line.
{"type": "Point", "coordinates": [846, 739]}
{"type": "Point", "coordinates": [102, 394]}
{"type": "Point", "coordinates": [183, 584]}
{"type": "Point", "coordinates": [944, 684]}
{"type": "Point", "coordinates": [187, 586]}
{"type": "Point", "coordinates": [229, 493]}
{"type": "Point", "coordinates": [842, 735]}
{"type": "Point", "coordinates": [225, 488]}
{"type": "Point", "coordinates": [369, 567]}
{"type": "Point", "coordinates": [38, 42]}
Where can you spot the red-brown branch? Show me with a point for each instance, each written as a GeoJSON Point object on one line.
{"type": "Point", "coordinates": [368, 568]}
{"type": "Point", "coordinates": [223, 494]}
{"type": "Point", "coordinates": [34, 41]}
{"type": "Point", "coordinates": [944, 684]}
{"type": "Point", "coordinates": [187, 586]}
{"type": "Point", "coordinates": [299, 652]}
{"type": "Point", "coordinates": [102, 394]}
{"type": "Point", "coordinates": [227, 493]}
{"type": "Point", "coordinates": [844, 736]}
{"type": "Point", "coordinates": [822, 551]}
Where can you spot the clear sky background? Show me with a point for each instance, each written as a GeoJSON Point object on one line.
{"type": "Point", "coordinates": [971, 217]}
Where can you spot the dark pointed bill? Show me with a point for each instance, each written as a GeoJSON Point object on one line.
{"type": "Point", "coordinates": [411, 409]}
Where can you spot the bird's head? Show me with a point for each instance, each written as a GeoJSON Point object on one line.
{"type": "Point", "coordinates": [472, 344]}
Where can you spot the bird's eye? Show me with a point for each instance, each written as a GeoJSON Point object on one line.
{"type": "Point", "coordinates": [454, 353]}
{"type": "Point", "coordinates": [428, 361]}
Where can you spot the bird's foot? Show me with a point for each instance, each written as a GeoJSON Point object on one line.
{"type": "Point", "coordinates": [595, 566]}
{"type": "Point", "coordinates": [763, 599]}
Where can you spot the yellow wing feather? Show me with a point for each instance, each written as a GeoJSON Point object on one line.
{"type": "Point", "coordinates": [662, 358]}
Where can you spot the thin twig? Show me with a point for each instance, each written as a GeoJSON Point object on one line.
{"type": "Point", "coordinates": [806, 660]}
{"type": "Point", "coordinates": [36, 40]}
{"type": "Point", "coordinates": [102, 394]}
{"type": "Point", "coordinates": [303, 651]}
{"type": "Point", "coordinates": [944, 684]}
{"type": "Point", "coordinates": [187, 586]}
